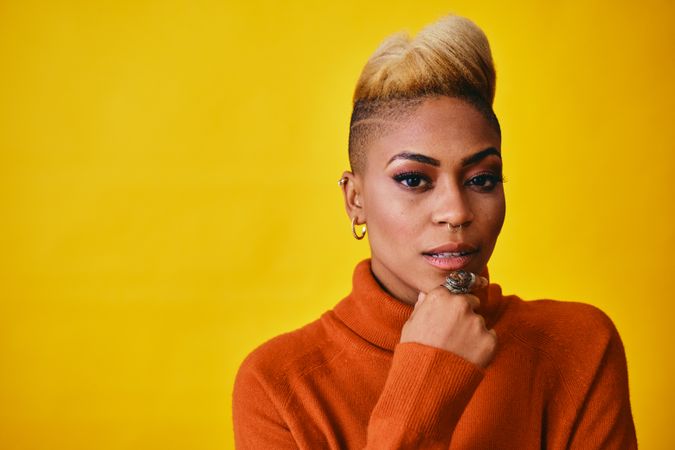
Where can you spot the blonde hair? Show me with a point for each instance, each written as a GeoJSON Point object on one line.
{"type": "Point", "coordinates": [449, 57]}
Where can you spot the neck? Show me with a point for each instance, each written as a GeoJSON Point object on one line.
{"type": "Point", "coordinates": [377, 316]}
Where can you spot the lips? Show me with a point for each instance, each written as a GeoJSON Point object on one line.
{"type": "Point", "coordinates": [451, 256]}
{"type": "Point", "coordinates": [452, 247]}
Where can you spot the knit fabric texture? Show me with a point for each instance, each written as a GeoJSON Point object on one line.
{"type": "Point", "coordinates": [558, 381]}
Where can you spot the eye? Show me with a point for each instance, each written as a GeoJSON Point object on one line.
{"type": "Point", "coordinates": [413, 180]}
{"type": "Point", "coordinates": [485, 181]}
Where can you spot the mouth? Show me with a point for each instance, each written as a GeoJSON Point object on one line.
{"type": "Point", "coordinates": [447, 254]}
{"type": "Point", "coordinates": [451, 256]}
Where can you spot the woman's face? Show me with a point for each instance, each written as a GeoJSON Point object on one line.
{"type": "Point", "coordinates": [439, 166]}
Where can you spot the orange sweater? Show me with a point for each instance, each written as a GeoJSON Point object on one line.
{"type": "Point", "coordinates": [557, 381]}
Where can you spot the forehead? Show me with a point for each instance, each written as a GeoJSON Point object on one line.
{"type": "Point", "coordinates": [444, 128]}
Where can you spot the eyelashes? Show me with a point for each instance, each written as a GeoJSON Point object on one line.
{"type": "Point", "coordinates": [412, 179]}
{"type": "Point", "coordinates": [418, 181]}
{"type": "Point", "coordinates": [486, 181]}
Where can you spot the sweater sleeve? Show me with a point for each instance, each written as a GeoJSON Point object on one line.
{"type": "Point", "coordinates": [604, 420]}
{"type": "Point", "coordinates": [591, 409]}
{"type": "Point", "coordinates": [425, 393]}
{"type": "Point", "coordinates": [257, 422]}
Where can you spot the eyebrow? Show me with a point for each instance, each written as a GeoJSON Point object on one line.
{"type": "Point", "coordinates": [416, 157]}
{"type": "Point", "coordinates": [473, 159]}
{"type": "Point", "coordinates": [476, 157]}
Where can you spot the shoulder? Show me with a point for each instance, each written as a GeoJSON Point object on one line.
{"type": "Point", "coordinates": [583, 362]}
{"type": "Point", "coordinates": [560, 318]}
{"type": "Point", "coordinates": [566, 332]}
{"type": "Point", "coordinates": [575, 342]}
{"type": "Point", "coordinates": [279, 362]}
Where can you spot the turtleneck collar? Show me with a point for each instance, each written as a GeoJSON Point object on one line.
{"type": "Point", "coordinates": [378, 317]}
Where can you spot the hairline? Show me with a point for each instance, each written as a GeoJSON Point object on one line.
{"type": "Point", "coordinates": [381, 114]}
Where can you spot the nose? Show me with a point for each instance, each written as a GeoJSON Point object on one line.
{"type": "Point", "coordinates": [451, 206]}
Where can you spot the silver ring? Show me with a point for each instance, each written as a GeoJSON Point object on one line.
{"type": "Point", "coordinates": [460, 281]}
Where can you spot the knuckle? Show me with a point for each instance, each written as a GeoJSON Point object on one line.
{"type": "Point", "coordinates": [464, 306]}
{"type": "Point", "coordinates": [478, 324]}
{"type": "Point", "coordinates": [474, 300]}
{"type": "Point", "coordinates": [434, 294]}
{"type": "Point", "coordinates": [439, 292]}
{"type": "Point", "coordinates": [488, 347]}
{"type": "Point", "coordinates": [491, 341]}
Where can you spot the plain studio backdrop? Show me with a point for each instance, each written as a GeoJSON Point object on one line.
{"type": "Point", "coordinates": [168, 195]}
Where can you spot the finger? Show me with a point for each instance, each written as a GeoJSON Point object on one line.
{"type": "Point", "coordinates": [420, 299]}
{"type": "Point", "coordinates": [482, 321]}
{"type": "Point", "coordinates": [472, 300]}
{"type": "Point", "coordinates": [480, 283]}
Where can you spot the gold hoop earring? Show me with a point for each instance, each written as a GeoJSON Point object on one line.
{"type": "Point", "coordinates": [363, 230]}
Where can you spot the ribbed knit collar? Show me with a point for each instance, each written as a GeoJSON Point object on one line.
{"type": "Point", "coordinates": [378, 317]}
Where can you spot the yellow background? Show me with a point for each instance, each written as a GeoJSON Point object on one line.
{"type": "Point", "coordinates": [168, 195]}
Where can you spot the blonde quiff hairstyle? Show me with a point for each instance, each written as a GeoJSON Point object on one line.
{"type": "Point", "coordinates": [449, 57]}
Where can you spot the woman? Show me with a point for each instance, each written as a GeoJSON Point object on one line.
{"type": "Point", "coordinates": [411, 359]}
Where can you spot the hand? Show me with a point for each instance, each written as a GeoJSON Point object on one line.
{"type": "Point", "coordinates": [447, 321]}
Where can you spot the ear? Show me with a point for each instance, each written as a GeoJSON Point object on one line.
{"type": "Point", "coordinates": [351, 185]}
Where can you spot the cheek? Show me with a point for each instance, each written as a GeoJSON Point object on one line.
{"type": "Point", "coordinates": [391, 216]}
{"type": "Point", "coordinates": [493, 214]}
